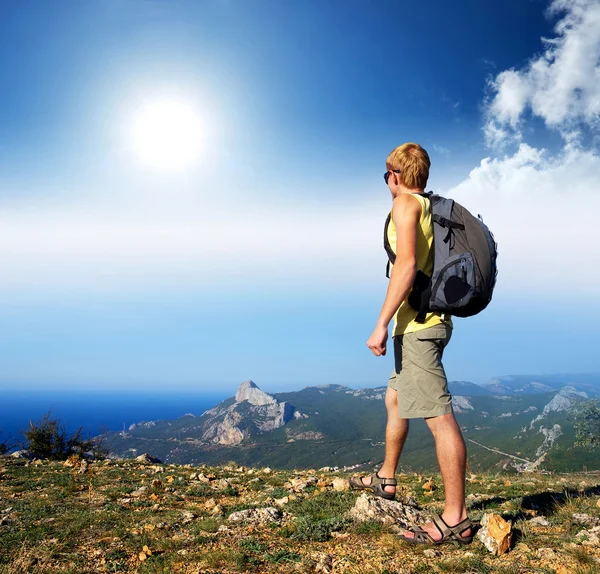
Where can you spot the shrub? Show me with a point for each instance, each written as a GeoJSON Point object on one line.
{"type": "Point", "coordinates": [4, 445]}
{"type": "Point", "coordinates": [49, 439]}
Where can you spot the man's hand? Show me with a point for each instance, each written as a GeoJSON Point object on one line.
{"type": "Point", "coordinates": [377, 341]}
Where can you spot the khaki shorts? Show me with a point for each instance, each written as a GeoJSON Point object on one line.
{"type": "Point", "coordinates": [419, 376]}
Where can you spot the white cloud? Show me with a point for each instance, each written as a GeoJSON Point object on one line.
{"type": "Point", "coordinates": [107, 246]}
{"type": "Point", "coordinates": [561, 86]}
{"type": "Point", "coordinates": [541, 206]}
{"type": "Point", "coordinates": [540, 209]}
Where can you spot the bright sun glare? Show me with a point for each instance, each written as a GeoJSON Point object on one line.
{"type": "Point", "coordinates": [167, 134]}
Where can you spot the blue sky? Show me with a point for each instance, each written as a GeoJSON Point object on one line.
{"type": "Point", "coordinates": [262, 258]}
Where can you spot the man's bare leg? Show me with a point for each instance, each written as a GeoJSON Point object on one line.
{"type": "Point", "coordinates": [452, 456]}
{"type": "Point", "coordinates": [396, 431]}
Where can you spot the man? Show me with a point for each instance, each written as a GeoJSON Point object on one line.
{"type": "Point", "coordinates": [418, 387]}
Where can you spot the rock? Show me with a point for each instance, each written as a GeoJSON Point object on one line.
{"type": "Point", "coordinates": [255, 516]}
{"type": "Point", "coordinates": [431, 553]}
{"type": "Point", "coordinates": [23, 454]}
{"type": "Point", "coordinates": [210, 503]}
{"type": "Point", "coordinates": [73, 460]}
{"type": "Point", "coordinates": [429, 486]}
{"type": "Point", "coordinates": [545, 553]}
{"type": "Point", "coordinates": [407, 501]}
{"type": "Point", "coordinates": [390, 512]}
{"type": "Point", "coordinates": [589, 537]}
{"type": "Point", "coordinates": [157, 469]}
{"type": "Point", "coordinates": [188, 517]}
{"type": "Point", "coordinates": [495, 533]}
{"type": "Point", "coordinates": [300, 484]}
{"type": "Point", "coordinates": [193, 476]}
{"type": "Point", "coordinates": [324, 563]}
{"type": "Point", "coordinates": [538, 521]}
{"type": "Point", "coordinates": [586, 519]}
{"type": "Point", "coordinates": [140, 491]}
{"type": "Point", "coordinates": [267, 470]}
{"type": "Point", "coordinates": [217, 510]}
{"type": "Point", "coordinates": [325, 469]}
{"type": "Point", "coordinates": [282, 501]}
{"type": "Point", "coordinates": [222, 484]}
{"type": "Point", "coordinates": [341, 484]}
{"type": "Point", "coordinates": [148, 459]}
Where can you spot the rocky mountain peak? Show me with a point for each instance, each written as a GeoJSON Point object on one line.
{"type": "Point", "coordinates": [248, 391]}
{"type": "Point", "coordinates": [564, 400]}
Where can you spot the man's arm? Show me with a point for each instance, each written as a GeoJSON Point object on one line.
{"type": "Point", "coordinates": [406, 213]}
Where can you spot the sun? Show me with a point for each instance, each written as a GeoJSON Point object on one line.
{"type": "Point", "coordinates": [167, 135]}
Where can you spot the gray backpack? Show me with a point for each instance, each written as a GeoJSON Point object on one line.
{"type": "Point", "coordinates": [464, 263]}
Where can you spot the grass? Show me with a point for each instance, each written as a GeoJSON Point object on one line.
{"type": "Point", "coordinates": [319, 516]}
{"type": "Point", "coordinates": [62, 521]}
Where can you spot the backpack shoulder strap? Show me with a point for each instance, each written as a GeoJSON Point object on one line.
{"type": "Point", "coordinates": [386, 245]}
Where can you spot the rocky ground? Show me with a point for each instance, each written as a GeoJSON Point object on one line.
{"type": "Point", "coordinates": [140, 516]}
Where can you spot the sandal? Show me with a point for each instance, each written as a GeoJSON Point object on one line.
{"type": "Point", "coordinates": [449, 533]}
{"type": "Point", "coordinates": [377, 484]}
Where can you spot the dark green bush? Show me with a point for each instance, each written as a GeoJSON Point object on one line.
{"type": "Point", "coordinates": [4, 445]}
{"type": "Point", "coordinates": [48, 438]}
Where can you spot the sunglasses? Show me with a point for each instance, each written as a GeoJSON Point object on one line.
{"type": "Point", "coordinates": [386, 175]}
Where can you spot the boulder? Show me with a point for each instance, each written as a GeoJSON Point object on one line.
{"type": "Point", "coordinates": [255, 516]}
{"type": "Point", "coordinates": [187, 517]}
{"type": "Point", "coordinates": [300, 484]}
{"type": "Point", "coordinates": [586, 519]}
{"type": "Point", "coordinates": [495, 533]}
{"type": "Point", "coordinates": [23, 454]}
{"type": "Point", "coordinates": [590, 537]}
{"type": "Point", "coordinates": [148, 459]}
{"type": "Point", "coordinates": [538, 521]}
{"type": "Point", "coordinates": [221, 484]}
{"type": "Point", "coordinates": [140, 491]}
{"type": "Point", "coordinates": [389, 512]}
{"type": "Point", "coordinates": [341, 484]}
{"type": "Point", "coordinates": [73, 460]}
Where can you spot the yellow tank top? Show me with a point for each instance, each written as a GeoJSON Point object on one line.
{"type": "Point", "coordinates": [404, 319]}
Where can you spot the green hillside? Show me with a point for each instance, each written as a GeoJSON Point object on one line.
{"type": "Point", "coordinates": [341, 427]}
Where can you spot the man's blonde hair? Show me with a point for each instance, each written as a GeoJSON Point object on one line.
{"type": "Point", "coordinates": [413, 162]}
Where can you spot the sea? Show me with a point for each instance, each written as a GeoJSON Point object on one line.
{"type": "Point", "coordinates": [97, 411]}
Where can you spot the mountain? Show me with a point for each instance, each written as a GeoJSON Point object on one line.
{"type": "Point", "coordinates": [467, 389]}
{"type": "Point", "coordinates": [334, 425]}
{"type": "Point", "coordinates": [533, 384]}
